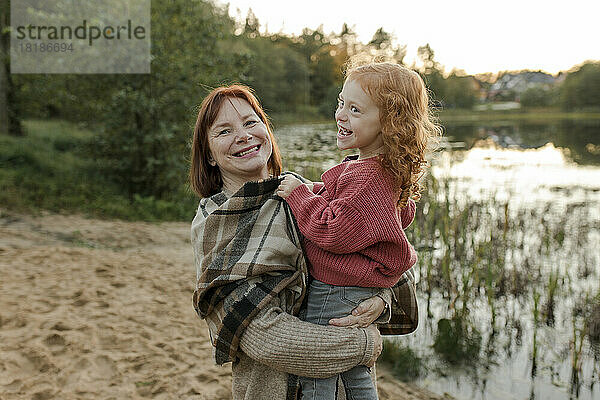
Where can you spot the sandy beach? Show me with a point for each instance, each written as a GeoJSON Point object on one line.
{"type": "Point", "coordinates": [96, 309]}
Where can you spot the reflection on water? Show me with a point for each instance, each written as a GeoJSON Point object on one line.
{"type": "Point", "coordinates": [508, 234]}
{"type": "Point", "coordinates": [513, 239]}
{"type": "Point", "coordinates": [529, 177]}
{"type": "Point", "coordinates": [580, 138]}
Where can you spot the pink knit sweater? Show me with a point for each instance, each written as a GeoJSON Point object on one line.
{"type": "Point", "coordinates": [354, 234]}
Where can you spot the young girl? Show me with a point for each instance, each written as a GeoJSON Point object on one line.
{"type": "Point", "coordinates": [354, 221]}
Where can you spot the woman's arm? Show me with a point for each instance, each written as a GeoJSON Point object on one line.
{"type": "Point", "coordinates": [286, 343]}
{"type": "Point", "coordinates": [402, 317]}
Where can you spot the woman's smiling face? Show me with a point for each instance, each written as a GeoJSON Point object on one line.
{"type": "Point", "coordinates": [239, 142]}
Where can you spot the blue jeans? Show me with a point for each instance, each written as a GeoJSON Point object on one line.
{"type": "Point", "coordinates": [325, 302]}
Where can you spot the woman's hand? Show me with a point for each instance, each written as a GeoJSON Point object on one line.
{"type": "Point", "coordinates": [378, 345]}
{"type": "Point", "coordinates": [363, 315]}
{"type": "Point", "coordinates": [288, 184]}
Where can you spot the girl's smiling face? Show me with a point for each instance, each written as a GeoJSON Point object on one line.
{"type": "Point", "coordinates": [357, 118]}
{"type": "Point", "coordinates": [239, 143]}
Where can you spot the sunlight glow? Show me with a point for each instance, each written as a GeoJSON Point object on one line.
{"type": "Point", "coordinates": [528, 177]}
{"type": "Point", "coordinates": [470, 35]}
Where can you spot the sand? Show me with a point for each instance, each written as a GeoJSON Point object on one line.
{"type": "Point", "coordinates": [96, 309]}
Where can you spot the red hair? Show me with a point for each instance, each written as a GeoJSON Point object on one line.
{"type": "Point", "coordinates": [408, 127]}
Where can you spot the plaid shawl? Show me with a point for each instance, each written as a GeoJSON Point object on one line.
{"type": "Point", "coordinates": [247, 251]}
{"type": "Point", "coordinates": [405, 310]}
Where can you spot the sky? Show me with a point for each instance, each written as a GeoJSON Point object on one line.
{"type": "Point", "coordinates": [474, 36]}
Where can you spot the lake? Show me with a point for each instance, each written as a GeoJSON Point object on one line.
{"type": "Point", "coordinates": [508, 236]}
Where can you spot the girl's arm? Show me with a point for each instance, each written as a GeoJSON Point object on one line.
{"type": "Point", "coordinates": [286, 343]}
{"type": "Point", "coordinates": [317, 186]}
{"type": "Point", "coordinates": [358, 216]}
{"type": "Point", "coordinates": [407, 214]}
{"type": "Point", "coordinates": [336, 226]}
{"type": "Point", "coordinates": [355, 220]}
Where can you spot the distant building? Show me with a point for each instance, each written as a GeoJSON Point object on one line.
{"type": "Point", "coordinates": [510, 85]}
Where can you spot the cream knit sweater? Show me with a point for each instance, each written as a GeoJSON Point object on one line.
{"type": "Point", "coordinates": [276, 343]}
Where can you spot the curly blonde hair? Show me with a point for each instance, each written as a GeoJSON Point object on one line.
{"type": "Point", "coordinates": [409, 129]}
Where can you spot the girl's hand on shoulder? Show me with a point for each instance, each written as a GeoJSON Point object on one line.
{"type": "Point", "coordinates": [288, 184]}
{"type": "Point", "coordinates": [363, 315]}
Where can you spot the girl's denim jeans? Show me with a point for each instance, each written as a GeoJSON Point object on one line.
{"type": "Point", "coordinates": [325, 302]}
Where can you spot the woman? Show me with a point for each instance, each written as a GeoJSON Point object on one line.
{"type": "Point", "coordinates": [252, 274]}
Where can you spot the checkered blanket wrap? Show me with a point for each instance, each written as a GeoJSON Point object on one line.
{"type": "Point", "coordinates": [405, 310]}
{"type": "Point", "coordinates": [247, 251]}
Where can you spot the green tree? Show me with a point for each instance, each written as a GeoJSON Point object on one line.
{"type": "Point", "coordinates": [382, 47]}
{"type": "Point", "coordinates": [581, 88]}
{"type": "Point", "coordinates": [537, 96]}
{"type": "Point", "coordinates": [459, 91]}
{"type": "Point", "coordinates": [381, 39]}
{"type": "Point", "coordinates": [324, 80]}
{"type": "Point", "coordinates": [251, 28]}
{"type": "Point", "coordinates": [148, 119]}
{"type": "Point", "coordinates": [75, 97]}
{"type": "Point", "coordinates": [277, 73]}
{"type": "Point", "coordinates": [324, 71]}
{"type": "Point", "coordinates": [140, 150]}
{"type": "Point", "coordinates": [431, 71]}
{"type": "Point", "coordinates": [275, 68]}
{"type": "Point", "coordinates": [4, 73]}
{"type": "Point", "coordinates": [346, 44]}
{"type": "Point", "coordinates": [10, 122]}
{"type": "Point", "coordinates": [427, 57]}
{"type": "Point", "coordinates": [343, 47]}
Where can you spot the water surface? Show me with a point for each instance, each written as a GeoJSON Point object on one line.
{"type": "Point", "coordinates": [508, 235]}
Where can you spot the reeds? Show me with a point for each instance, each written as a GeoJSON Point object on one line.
{"type": "Point", "coordinates": [495, 271]}
{"type": "Point", "coordinates": [486, 249]}
{"type": "Point", "coordinates": [536, 319]}
{"type": "Point", "coordinates": [403, 361]}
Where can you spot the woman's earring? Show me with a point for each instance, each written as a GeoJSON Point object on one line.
{"type": "Point", "coordinates": [211, 161]}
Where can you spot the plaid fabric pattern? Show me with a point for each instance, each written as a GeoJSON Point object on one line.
{"type": "Point", "coordinates": [405, 310]}
{"type": "Point", "coordinates": [247, 252]}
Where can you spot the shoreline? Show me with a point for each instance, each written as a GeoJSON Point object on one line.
{"type": "Point", "coordinates": [102, 308]}
{"type": "Point", "coordinates": [462, 115]}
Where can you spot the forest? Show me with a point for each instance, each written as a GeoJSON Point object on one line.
{"type": "Point", "coordinates": [142, 123]}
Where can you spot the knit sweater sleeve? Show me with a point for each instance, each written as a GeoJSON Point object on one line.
{"type": "Point", "coordinates": [407, 214]}
{"type": "Point", "coordinates": [340, 226]}
{"type": "Point", "coordinates": [286, 343]}
{"type": "Point", "coordinates": [317, 187]}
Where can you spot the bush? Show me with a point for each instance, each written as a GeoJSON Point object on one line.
{"type": "Point", "coordinates": [47, 169]}
{"type": "Point", "coordinates": [457, 341]}
{"type": "Point", "coordinates": [138, 151]}
{"type": "Point", "coordinates": [537, 96]}
{"type": "Point", "coordinates": [404, 362]}
{"type": "Point", "coordinates": [581, 88]}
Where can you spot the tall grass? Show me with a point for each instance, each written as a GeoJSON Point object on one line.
{"type": "Point", "coordinates": [523, 257]}
{"type": "Point", "coordinates": [49, 168]}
